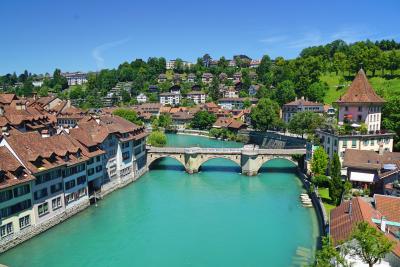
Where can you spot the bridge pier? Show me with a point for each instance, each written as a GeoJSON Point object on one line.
{"type": "Point", "coordinates": [249, 162]}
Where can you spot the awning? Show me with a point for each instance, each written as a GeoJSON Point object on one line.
{"type": "Point", "coordinates": [362, 177]}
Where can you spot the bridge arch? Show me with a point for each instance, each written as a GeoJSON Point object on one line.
{"type": "Point", "coordinates": [267, 158]}
{"type": "Point", "coordinates": [151, 158]}
{"type": "Point", "coordinates": [205, 158]}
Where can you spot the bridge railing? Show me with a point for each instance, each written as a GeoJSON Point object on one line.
{"type": "Point", "coordinates": [224, 150]}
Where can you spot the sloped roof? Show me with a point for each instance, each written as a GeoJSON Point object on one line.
{"type": "Point", "coordinates": [368, 159]}
{"type": "Point", "coordinates": [389, 206]}
{"type": "Point", "coordinates": [360, 91]}
{"type": "Point", "coordinates": [7, 98]}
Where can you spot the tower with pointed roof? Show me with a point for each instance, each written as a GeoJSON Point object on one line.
{"type": "Point", "coordinates": [361, 104]}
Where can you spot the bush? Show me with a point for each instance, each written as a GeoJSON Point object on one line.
{"type": "Point", "coordinates": [157, 138]}
{"type": "Point", "coordinates": [321, 180]}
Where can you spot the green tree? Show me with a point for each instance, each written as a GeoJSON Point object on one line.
{"type": "Point", "coordinates": [336, 184]}
{"type": "Point", "coordinates": [319, 162]}
{"type": "Point", "coordinates": [328, 255]}
{"type": "Point", "coordinates": [265, 115]}
{"type": "Point", "coordinates": [128, 114]}
{"type": "Point", "coordinates": [317, 91]}
{"type": "Point", "coordinates": [371, 245]}
{"type": "Point", "coordinates": [264, 70]}
{"type": "Point", "coordinates": [305, 122]}
{"type": "Point", "coordinates": [285, 92]}
{"type": "Point", "coordinates": [391, 117]}
{"type": "Point", "coordinates": [165, 121]}
{"type": "Point", "coordinates": [157, 139]}
{"type": "Point", "coordinates": [203, 120]}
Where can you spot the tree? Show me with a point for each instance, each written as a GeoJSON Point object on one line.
{"type": "Point", "coordinates": [391, 117]}
{"type": "Point", "coordinates": [165, 121]}
{"type": "Point", "coordinates": [305, 122]}
{"type": "Point", "coordinates": [203, 120]}
{"type": "Point", "coordinates": [265, 115]}
{"type": "Point", "coordinates": [316, 91]}
{"type": "Point", "coordinates": [328, 255]}
{"type": "Point", "coordinates": [128, 114]}
{"type": "Point", "coordinates": [157, 139]}
{"type": "Point", "coordinates": [264, 69]}
{"type": "Point", "coordinates": [285, 92]}
{"type": "Point", "coordinates": [371, 245]}
{"type": "Point", "coordinates": [319, 161]}
{"type": "Point", "coordinates": [336, 184]}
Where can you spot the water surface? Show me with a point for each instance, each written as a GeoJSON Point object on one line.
{"type": "Point", "coordinates": [169, 218]}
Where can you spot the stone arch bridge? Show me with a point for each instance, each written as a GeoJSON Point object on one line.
{"type": "Point", "coordinates": [249, 158]}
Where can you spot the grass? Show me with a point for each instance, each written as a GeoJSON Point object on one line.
{"type": "Point", "coordinates": [384, 87]}
{"type": "Point", "coordinates": [326, 199]}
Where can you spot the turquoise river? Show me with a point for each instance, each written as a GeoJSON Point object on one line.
{"type": "Point", "coordinates": [216, 217]}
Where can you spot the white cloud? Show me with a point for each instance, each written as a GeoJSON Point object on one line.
{"type": "Point", "coordinates": [98, 51]}
{"type": "Point", "coordinates": [274, 39]}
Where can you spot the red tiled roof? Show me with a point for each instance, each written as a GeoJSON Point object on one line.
{"type": "Point", "coordinates": [7, 98]}
{"type": "Point", "coordinates": [303, 102]}
{"type": "Point", "coordinates": [389, 207]}
{"type": "Point", "coordinates": [360, 91]}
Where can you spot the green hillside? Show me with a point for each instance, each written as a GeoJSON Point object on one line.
{"type": "Point", "coordinates": [384, 87]}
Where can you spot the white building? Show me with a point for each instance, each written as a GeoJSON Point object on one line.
{"type": "Point", "coordinates": [75, 78]}
{"type": "Point", "coordinates": [141, 98]}
{"type": "Point", "coordinates": [300, 105]}
{"type": "Point", "coordinates": [172, 99]}
{"type": "Point", "coordinates": [197, 97]}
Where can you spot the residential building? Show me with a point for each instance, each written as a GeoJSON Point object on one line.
{"type": "Point", "coordinates": [300, 105]}
{"type": "Point", "coordinates": [237, 77]}
{"type": "Point", "coordinates": [254, 63]}
{"type": "Point", "coordinates": [152, 108]}
{"type": "Point", "coordinates": [359, 106]}
{"type": "Point", "coordinates": [253, 89]}
{"type": "Point", "coordinates": [385, 216]}
{"type": "Point", "coordinates": [75, 78]}
{"type": "Point", "coordinates": [15, 196]}
{"type": "Point", "coordinates": [175, 89]}
{"type": "Point", "coordinates": [170, 65]}
{"type": "Point", "coordinates": [172, 99]}
{"type": "Point", "coordinates": [222, 76]}
{"type": "Point", "coordinates": [197, 97]}
{"type": "Point", "coordinates": [191, 78]}
{"type": "Point", "coordinates": [207, 78]}
{"type": "Point", "coordinates": [366, 167]}
{"type": "Point", "coordinates": [229, 123]}
{"type": "Point", "coordinates": [235, 103]}
{"type": "Point", "coordinates": [141, 98]}
{"type": "Point", "coordinates": [181, 119]}
{"type": "Point", "coordinates": [162, 78]}
{"type": "Point", "coordinates": [230, 93]}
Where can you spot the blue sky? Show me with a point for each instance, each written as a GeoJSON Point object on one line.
{"type": "Point", "coordinates": [88, 35]}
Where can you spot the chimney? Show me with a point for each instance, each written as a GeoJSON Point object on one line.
{"type": "Point", "coordinates": [383, 224]}
{"type": "Point", "coordinates": [350, 211]}
{"type": "Point", "coordinates": [302, 98]}
{"type": "Point", "coordinates": [380, 151]}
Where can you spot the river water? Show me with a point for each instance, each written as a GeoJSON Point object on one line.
{"type": "Point", "coordinates": [169, 218]}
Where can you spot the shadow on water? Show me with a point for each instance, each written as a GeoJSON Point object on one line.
{"type": "Point", "coordinates": [277, 169]}
{"type": "Point", "coordinates": [233, 169]}
{"type": "Point", "coordinates": [168, 167]}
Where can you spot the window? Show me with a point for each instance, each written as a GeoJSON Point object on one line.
{"type": "Point", "coordinates": [354, 143]}
{"type": "Point", "coordinates": [22, 190]}
{"type": "Point", "coordinates": [125, 155]}
{"type": "Point", "coordinates": [81, 192]}
{"type": "Point", "coordinates": [359, 117]}
{"type": "Point", "coordinates": [56, 203]}
{"type": "Point", "coordinates": [90, 161]}
{"type": "Point", "coordinates": [98, 158]}
{"type": "Point", "coordinates": [69, 198]}
{"type": "Point", "coordinates": [344, 143]}
{"type": "Point", "coordinates": [81, 179]}
{"type": "Point", "coordinates": [335, 142]}
{"type": "Point", "coordinates": [43, 209]}
{"type": "Point", "coordinates": [346, 108]}
{"type": "Point", "coordinates": [125, 145]}
{"type": "Point", "coordinates": [366, 142]}
{"type": "Point", "coordinates": [99, 168]}
{"type": "Point", "coordinates": [6, 195]}
{"type": "Point", "coordinates": [90, 171]}
{"type": "Point", "coordinates": [40, 193]}
{"type": "Point", "coordinates": [6, 230]}
{"type": "Point", "coordinates": [69, 184]}
{"type": "Point", "coordinates": [24, 222]}
{"type": "Point", "coordinates": [56, 188]}
{"type": "Point", "coordinates": [329, 140]}
{"type": "Point", "coordinates": [359, 109]}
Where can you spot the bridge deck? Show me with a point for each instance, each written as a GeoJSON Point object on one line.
{"type": "Point", "coordinates": [198, 150]}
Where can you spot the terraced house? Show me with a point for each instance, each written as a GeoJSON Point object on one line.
{"type": "Point", "coordinates": [45, 180]}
